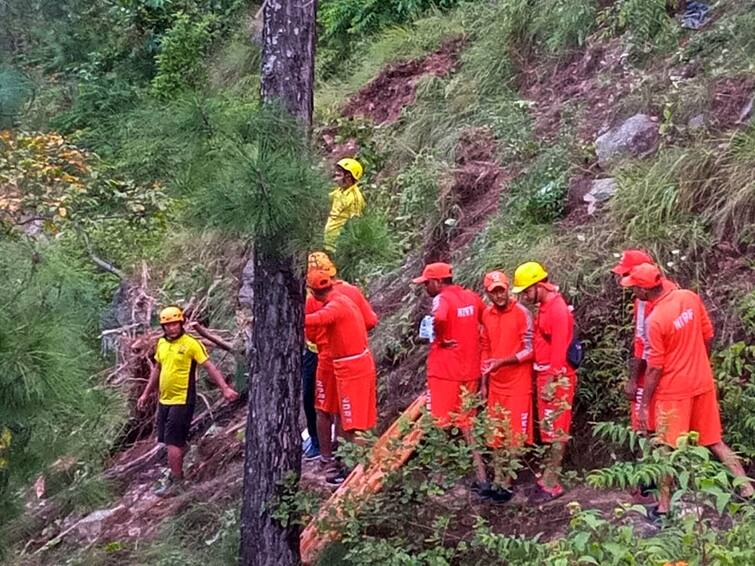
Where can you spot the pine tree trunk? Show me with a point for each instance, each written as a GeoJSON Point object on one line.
{"type": "Point", "coordinates": [273, 441]}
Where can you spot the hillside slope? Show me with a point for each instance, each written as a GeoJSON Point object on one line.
{"type": "Point", "coordinates": [484, 126]}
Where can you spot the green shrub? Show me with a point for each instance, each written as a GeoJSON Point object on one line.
{"type": "Point", "coordinates": [542, 189]}
{"type": "Point", "coordinates": [649, 204]}
{"type": "Point", "coordinates": [48, 328]}
{"type": "Point", "coordinates": [345, 23]}
{"type": "Point", "coordinates": [97, 99]}
{"type": "Point", "coordinates": [735, 373]}
{"type": "Point", "coordinates": [15, 89]}
{"type": "Point", "coordinates": [180, 60]}
{"type": "Point", "coordinates": [564, 25]}
{"type": "Point", "coordinates": [366, 247]}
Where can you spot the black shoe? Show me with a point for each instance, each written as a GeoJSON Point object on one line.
{"type": "Point", "coordinates": [500, 495]}
{"type": "Point", "coordinates": [482, 489]}
{"type": "Point", "coordinates": [648, 489]}
{"type": "Point", "coordinates": [655, 517]}
{"type": "Point", "coordinates": [337, 477]}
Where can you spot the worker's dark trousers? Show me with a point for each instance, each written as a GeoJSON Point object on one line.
{"type": "Point", "coordinates": [308, 371]}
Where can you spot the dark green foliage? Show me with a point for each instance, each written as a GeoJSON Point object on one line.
{"type": "Point", "coordinates": [180, 61]}
{"type": "Point", "coordinates": [244, 170]}
{"type": "Point", "coordinates": [48, 324]}
{"type": "Point", "coordinates": [253, 175]}
{"type": "Point", "coordinates": [366, 247]}
{"type": "Point", "coordinates": [15, 90]}
{"type": "Point", "coordinates": [563, 26]}
{"type": "Point", "coordinates": [542, 190]}
{"type": "Point", "coordinates": [97, 99]}
{"type": "Point", "coordinates": [346, 23]}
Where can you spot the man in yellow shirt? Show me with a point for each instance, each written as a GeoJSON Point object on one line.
{"type": "Point", "coordinates": [346, 201]}
{"type": "Point", "coordinates": [176, 358]}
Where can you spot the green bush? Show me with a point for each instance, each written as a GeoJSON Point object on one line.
{"type": "Point", "coordinates": [564, 25]}
{"type": "Point", "coordinates": [345, 24]}
{"type": "Point", "coordinates": [649, 204]}
{"type": "Point", "coordinates": [15, 89]}
{"type": "Point", "coordinates": [97, 99]}
{"type": "Point", "coordinates": [542, 190]}
{"type": "Point", "coordinates": [180, 60]}
{"type": "Point", "coordinates": [423, 497]}
{"type": "Point", "coordinates": [48, 327]}
{"type": "Point", "coordinates": [366, 247]}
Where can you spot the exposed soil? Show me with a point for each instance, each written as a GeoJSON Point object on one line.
{"type": "Point", "coordinates": [334, 148]}
{"type": "Point", "coordinates": [732, 101]}
{"type": "Point", "coordinates": [593, 81]}
{"type": "Point", "coordinates": [383, 98]}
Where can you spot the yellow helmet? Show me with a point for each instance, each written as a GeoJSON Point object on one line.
{"type": "Point", "coordinates": [352, 166]}
{"type": "Point", "coordinates": [527, 275]}
{"type": "Point", "coordinates": [171, 314]}
{"type": "Point", "coordinates": [320, 260]}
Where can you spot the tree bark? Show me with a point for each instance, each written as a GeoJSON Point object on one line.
{"type": "Point", "coordinates": [273, 441]}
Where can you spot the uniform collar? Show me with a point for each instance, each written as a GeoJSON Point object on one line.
{"type": "Point", "coordinates": [505, 309]}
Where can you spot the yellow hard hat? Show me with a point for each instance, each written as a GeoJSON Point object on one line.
{"type": "Point", "coordinates": [352, 166]}
{"type": "Point", "coordinates": [527, 275]}
{"type": "Point", "coordinates": [171, 314]}
{"type": "Point", "coordinates": [320, 260]}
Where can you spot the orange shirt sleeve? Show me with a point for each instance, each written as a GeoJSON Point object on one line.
{"type": "Point", "coordinates": [485, 341]}
{"type": "Point", "coordinates": [370, 318]}
{"type": "Point", "coordinates": [327, 315]}
{"type": "Point", "coordinates": [527, 331]}
{"type": "Point", "coordinates": [656, 343]}
{"type": "Point", "coordinates": [311, 305]}
{"type": "Point", "coordinates": [440, 316]}
{"type": "Point", "coordinates": [559, 323]}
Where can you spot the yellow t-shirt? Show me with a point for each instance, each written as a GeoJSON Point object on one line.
{"type": "Point", "coordinates": [344, 204]}
{"type": "Point", "coordinates": [178, 361]}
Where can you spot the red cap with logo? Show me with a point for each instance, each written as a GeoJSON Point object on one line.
{"type": "Point", "coordinates": [645, 276]}
{"type": "Point", "coordinates": [437, 270]}
{"type": "Point", "coordinates": [495, 280]}
{"type": "Point", "coordinates": [629, 260]}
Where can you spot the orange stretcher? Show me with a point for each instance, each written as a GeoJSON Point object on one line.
{"type": "Point", "coordinates": [390, 452]}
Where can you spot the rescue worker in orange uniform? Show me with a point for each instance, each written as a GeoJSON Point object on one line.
{"type": "Point", "coordinates": [634, 388]}
{"type": "Point", "coordinates": [453, 362]}
{"type": "Point", "coordinates": [679, 378]}
{"type": "Point", "coordinates": [326, 396]}
{"type": "Point", "coordinates": [353, 365]}
{"type": "Point", "coordinates": [556, 379]}
{"type": "Point", "coordinates": [507, 330]}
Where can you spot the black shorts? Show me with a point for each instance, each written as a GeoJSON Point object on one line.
{"type": "Point", "coordinates": [174, 423]}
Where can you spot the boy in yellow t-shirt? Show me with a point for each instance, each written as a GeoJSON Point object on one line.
{"type": "Point", "coordinates": [176, 359]}
{"type": "Point", "coordinates": [346, 200]}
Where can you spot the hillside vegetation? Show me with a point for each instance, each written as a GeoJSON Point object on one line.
{"type": "Point", "coordinates": [130, 178]}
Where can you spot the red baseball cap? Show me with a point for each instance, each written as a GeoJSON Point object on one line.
{"type": "Point", "coordinates": [645, 276]}
{"type": "Point", "coordinates": [629, 260]}
{"type": "Point", "coordinates": [495, 279]}
{"type": "Point", "coordinates": [437, 270]}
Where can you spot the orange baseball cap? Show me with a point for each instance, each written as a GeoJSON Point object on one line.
{"type": "Point", "coordinates": [319, 279]}
{"type": "Point", "coordinates": [645, 276]}
{"type": "Point", "coordinates": [495, 279]}
{"type": "Point", "coordinates": [437, 270]}
{"type": "Point", "coordinates": [629, 260]}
